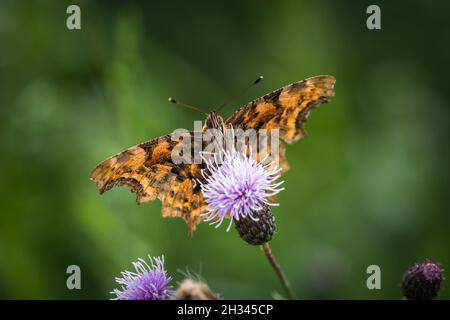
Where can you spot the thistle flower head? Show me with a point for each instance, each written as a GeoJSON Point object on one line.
{"type": "Point", "coordinates": [148, 282]}
{"type": "Point", "coordinates": [422, 281]}
{"type": "Point", "coordinates": [236, 186]}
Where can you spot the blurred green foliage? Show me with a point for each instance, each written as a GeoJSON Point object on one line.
{"type": "Point", "coordinates": [369, 185]}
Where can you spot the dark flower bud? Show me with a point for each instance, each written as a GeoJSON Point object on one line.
{"type": "Point", "coordinates": [257, 229]}
{"type": "Point", "coordinates": [422, 281]}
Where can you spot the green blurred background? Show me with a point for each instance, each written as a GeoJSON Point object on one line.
{"type": "Point", "coordinates": [369, 185]}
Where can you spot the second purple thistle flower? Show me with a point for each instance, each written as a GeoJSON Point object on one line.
{"type": "Point", "coordinates": [237, 186]}
{"type": "Point", "coordinates": [147, 282]}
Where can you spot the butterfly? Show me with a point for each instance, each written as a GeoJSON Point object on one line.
{"type": "Point", "coordinates": [149, 171]}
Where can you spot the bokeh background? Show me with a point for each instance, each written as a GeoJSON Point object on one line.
{"type": "Point", "coordinates": [369, 185]}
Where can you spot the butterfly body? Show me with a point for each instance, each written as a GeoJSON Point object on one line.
{"type": "Point", "coordinates": [148, 169]}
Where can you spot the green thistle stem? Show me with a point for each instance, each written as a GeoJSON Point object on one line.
{"type": "Point", "coordinates": [276, 266]}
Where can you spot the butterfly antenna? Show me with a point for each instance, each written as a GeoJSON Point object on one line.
{"type": "Point", "coordinates": [240, 92]}
{"type": "Point", "coordinates": [180, 103]}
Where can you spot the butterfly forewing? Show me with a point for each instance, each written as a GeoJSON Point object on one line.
{"type": "Point", "coordinates": [285, 109]}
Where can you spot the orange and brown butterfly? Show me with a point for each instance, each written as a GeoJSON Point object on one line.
{"type": "Point", "coordinates": [148, 170]}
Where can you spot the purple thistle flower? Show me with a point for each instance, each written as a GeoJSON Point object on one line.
{"type": "Point", "coordinates": [422, 281]}
{"type": "Point", "coordinates": [237, 186]}
{"type": "Point", "coordinates": [148, 282]}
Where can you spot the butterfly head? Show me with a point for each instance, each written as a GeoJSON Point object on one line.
{"type": "Point", "coordinates": [214, 121]}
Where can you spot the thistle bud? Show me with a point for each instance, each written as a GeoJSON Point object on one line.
{"type": "Point", "coordinates": [258, 228]}
{"type": "Point", "coordinates": [422, 281]}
